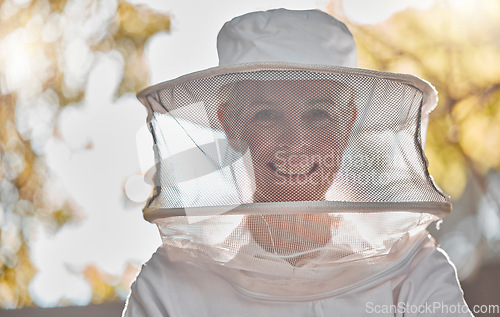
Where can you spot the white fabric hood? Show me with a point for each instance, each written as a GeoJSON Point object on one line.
{"type": "Point", "coordinates": [288, 161]}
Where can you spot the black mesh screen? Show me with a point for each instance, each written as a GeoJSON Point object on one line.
{"type": "Point", "coordinates": [288, 136]}
{"type": "Point", "coordinates": [297, 181]}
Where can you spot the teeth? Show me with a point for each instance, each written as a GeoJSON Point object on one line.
{"type": "Point", "coordinates": [294, 170]}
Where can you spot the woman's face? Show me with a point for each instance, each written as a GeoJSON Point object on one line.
{"type": "Point", "coordinates": [296, 132]}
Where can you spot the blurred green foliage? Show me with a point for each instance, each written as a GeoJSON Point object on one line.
{"type": "Point", "coordinates": [455, 46]}
{"type": "Point", "coordinates": [35, 39]}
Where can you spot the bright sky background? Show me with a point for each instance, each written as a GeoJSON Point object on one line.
{"type": "Point", "coordinates": [112, 231]}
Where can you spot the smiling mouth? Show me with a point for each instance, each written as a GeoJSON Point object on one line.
{"type": "Point", "coordinates": [293, 170]}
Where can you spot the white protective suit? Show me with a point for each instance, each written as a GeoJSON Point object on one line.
{"type": "Point", "coordinates": [423, 283]}
{"type": "Point", "coordinates": [288, 182]}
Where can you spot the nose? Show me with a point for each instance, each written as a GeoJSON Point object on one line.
{"type": "Point", "coordinates": [294, 135]}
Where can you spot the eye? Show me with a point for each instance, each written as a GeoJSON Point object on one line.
{"type": "Point", "coordinates": [266, 116]}
{"type": "Point", "coordinates": [317, 115]}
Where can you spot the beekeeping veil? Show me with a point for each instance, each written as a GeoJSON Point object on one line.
{"type": "Point", "coordinates": [286, 169]}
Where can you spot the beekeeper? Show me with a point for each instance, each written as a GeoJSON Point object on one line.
{"type": "Point", "coordinates": [289, 182]}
